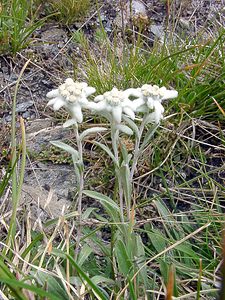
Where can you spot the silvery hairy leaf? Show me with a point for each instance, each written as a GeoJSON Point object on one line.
{"type": "Point", "coordinates": [125, 129]}
{"type": "Point", "coordinates": [132, 125]}
{"type": "Point", "coordinates": [67, 148]}
{"type": "Point", "coordinates": [149, 135]}
{"type": "Point", "coordinates": [126, 156]}
{"type": "Point", "coordinates": [107, 150]}
{"type": "Point", "coordinates": [90, 131]}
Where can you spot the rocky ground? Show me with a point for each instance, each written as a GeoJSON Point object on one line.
{"type": "Point", "coordinates": [50, 64]}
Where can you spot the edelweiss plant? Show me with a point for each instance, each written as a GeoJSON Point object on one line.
{"type": "Point", "coordinates": [127, 112]}
{"type": "Point", "coordinates": [118, 108]}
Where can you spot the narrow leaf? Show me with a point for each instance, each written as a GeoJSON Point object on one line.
{"type": "Point", "coordinates": [11, 283]}
{"type": "Point", "coordinates": [132, 125]}
{"type": "Point", "coordinates": [54, 286]}
{"type": "Point", "coordinates": [157, 239]}
{"type": "Point", "coordinates": [110, 206]}
{"type": "Point", "coordinates": [125, 129]}
{"type": "Point", "coordinates": [107, 150]}
{"type": "Point", "coordinates": [90, 131]}
{"type": "Point", "coordinates": [127, 185]}
{"type": "Point", "coordinates": [123, 260]}
{"type": "Point", "coordinates": [84, 254]}
{"type": "Point", "coordinates": [66, 148]}
{"type": "Point", "coordinates": [100, 279]}
{"type": "Point", "coordinates": [148, 136]}
{"type": "Point", "coordinates": [94, 287]}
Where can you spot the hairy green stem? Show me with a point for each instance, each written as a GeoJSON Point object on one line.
{"type": "Point", "coordinates": [114, 139]}
{"type": "Point", "coordinates": [137, 149]}
{"type": "Point", "coordinates": [80, 189]}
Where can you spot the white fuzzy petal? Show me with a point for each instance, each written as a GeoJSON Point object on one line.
{"type": "Point", "coordinates": [59, 102]}
{"type": "Point", "coordinates": [89, 91]}
{"type": "Point", "coordinates": [51, 102]}
{"type": "Point", "coordinates": [137, 103]}
{"type": "Point", "coordinates": [96, 106]}
{"type": "Point", "coordinates": [158, 117]}
{"type": "Point", "coordinates": [133, 92]}
{"type": "Point", "coordinates": [117, 113]}
{"type": "Point", "coordinates": [69, 122]}
{"type": "Point", "coordinates": [158, 107]}
{"type": "Point", "coordinates": [109, 108]}
{"type": "Point", "coordinates": [77, 113]}
{"type": "Point", "coordinates": [83, 100]}
{"type": "Point", "coordinates": [170, 94]}
{"type": "Point", "coordinates": [127, 103]}
{"type": "Point", "coordinates": [98, 98]}
{"type": "Point", "coordinates": [150, 103]}
{"type": "Point", "coordinates": [128, 111]}
{"type": "Point", "coordinates": [52, 94]}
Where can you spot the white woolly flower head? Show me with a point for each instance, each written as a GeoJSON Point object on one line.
{"type": "Point", "coordinates": [114, 97]}
{"type": "Point", "coordinates": [113, 104]}
{"type": "Point", "coordinates": [73, 96]}
{"type": "Point", "coordinates": [151, 98]}
{"type": "Point", "coordinates": [154, 92]}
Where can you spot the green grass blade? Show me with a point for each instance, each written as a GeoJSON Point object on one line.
{"type": "Point", "coordinates": [82, 274]}
{"type": "Point", "coordinates": [11, 283]}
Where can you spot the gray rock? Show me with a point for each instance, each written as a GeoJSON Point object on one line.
{"type": "Point", "coordinates": [39, 139]}
{"type": "Point", "coordinates": [54, 35]}
{"type": "Point", "coordinates": [22, 107]}
{"type": "Point", "coordinates": [184, 23]}
{"type": "Point", "coordinates": [60, 178]}
{"type": "Point", "coordinates": [158, 31]}
{"type": "Point", "coordinates": [42, 202]}
{"type": "Point", "coordinates": [8, 118]}
{"type": "Point", "coordinates": [26, 115]}
{"type": "Point", "coordinates": [137, 8]}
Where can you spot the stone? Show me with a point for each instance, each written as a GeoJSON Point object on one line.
{"type": "Point", "coordinates": [158, 31]}
{"type": "Point", "coordinates": [184, 23]}
{"type": "Point", "coordinates": [39, 199]}
{"type": "Point", "coordinates": [138, 10]}
{"type": "Point", "coordinates": [22, 107]}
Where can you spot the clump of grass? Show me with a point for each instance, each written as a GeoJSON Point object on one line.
{"type": "Point", "coordinates": [16, 25]}
{"type": "Point", "coordinates": [108, 62]}
{"type": "Point", "coordinates": [69, 11]}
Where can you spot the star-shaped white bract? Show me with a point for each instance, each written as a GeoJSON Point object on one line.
{"type": "Point", "coordinates": [113, 104]}
{"type": "Point", "coordinates": [73, 96]}
{"type": "Point", "coordinates": [151, 98]}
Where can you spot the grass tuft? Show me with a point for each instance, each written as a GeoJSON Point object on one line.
{"type": "Point", "coordinates": [70, 11]}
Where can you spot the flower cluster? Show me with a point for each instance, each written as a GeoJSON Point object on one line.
{"type": "Point", "coordinates": [72, 95]}
{"type": "Point", "coordinates": [112, 104]}
{"type": "Point", "coordinates": [151, 99]}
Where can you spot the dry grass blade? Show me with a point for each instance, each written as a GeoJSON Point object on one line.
{"type": "Point", "coordinates": [220, 108]}
{"type": "Point", "coordinates": [170, 284]}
